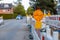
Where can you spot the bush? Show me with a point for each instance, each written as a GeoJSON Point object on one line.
{"type": "Point", "coordinates": [8, 16]}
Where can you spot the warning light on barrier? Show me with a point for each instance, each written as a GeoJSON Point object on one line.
{"type": "Point", "coordinates": [38, 15]}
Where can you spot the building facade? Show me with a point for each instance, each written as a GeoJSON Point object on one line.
{"type": "Point", "coordinates": [6, 8]}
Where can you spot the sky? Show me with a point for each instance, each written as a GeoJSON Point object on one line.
{"type": "Point", "coordinates": [25, 3]}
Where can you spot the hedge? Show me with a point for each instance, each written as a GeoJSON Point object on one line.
{"type": "Point", "coordinates": [8, 16]}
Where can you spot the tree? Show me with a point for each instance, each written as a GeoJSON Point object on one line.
{"type": "Point", "coordinates": [19, 9]}
{"type": "Point", "coordinates": [30, 10]}
{"type": "Point", "coordinates": [45, 5]}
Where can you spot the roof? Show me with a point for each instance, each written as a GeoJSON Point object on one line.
{"type": "Point", "coordinates": [5, 5]}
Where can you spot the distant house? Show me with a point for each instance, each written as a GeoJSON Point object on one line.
{"type": "Point", "coordinates": [6, 8]}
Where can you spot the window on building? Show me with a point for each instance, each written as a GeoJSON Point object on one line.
{"type": "Point", "coordinates": [8, 9]}
{"type": "Point", "coordinates": [6, 6]}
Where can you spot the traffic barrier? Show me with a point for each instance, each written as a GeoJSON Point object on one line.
{"type": "Point", "coordinates": [29, 27]}
{"type": "Point", "coordinates": [30, 37]}
{"type": "Point", "coordinates": [46, 35]}
{"type": "Point", "coordinates": [48, 30]}
{"type": "Point", "coordinates": [52, 21]}
{"type": "Point", "coordinates": [43, 38]}
{"type": "Point", "coordinates": [42, 35]}
{"type": "Point", "coordinates": [30, 30]}
{"type": "Point", "coordinates": [55, 35]}
{"type": "Point", "coordinates": [35, 35]}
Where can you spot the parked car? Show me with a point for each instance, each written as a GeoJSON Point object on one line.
{"type": "Point", "coordinates": [19, 17]}
{"type": "Point", "coordinates": [1, 21]}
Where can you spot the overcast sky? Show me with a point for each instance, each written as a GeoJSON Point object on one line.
{"type": "Point", "coordinates": [24, 2]}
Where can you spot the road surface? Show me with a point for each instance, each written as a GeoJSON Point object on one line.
{"type": "Point", "coordinates": [14, 30]}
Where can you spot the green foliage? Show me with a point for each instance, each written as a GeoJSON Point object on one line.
{"type": "Point", "coordinates": [30, 10]}
{"type": "Point", "coordinates": [46, 4]}
{"type": "Point", "coordinates": [19, 9]}
{"type": "Point", "coordinates": [9, 16]}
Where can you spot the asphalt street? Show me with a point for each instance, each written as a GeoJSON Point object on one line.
{"type": "Point", "coordinates": [14, 30]}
